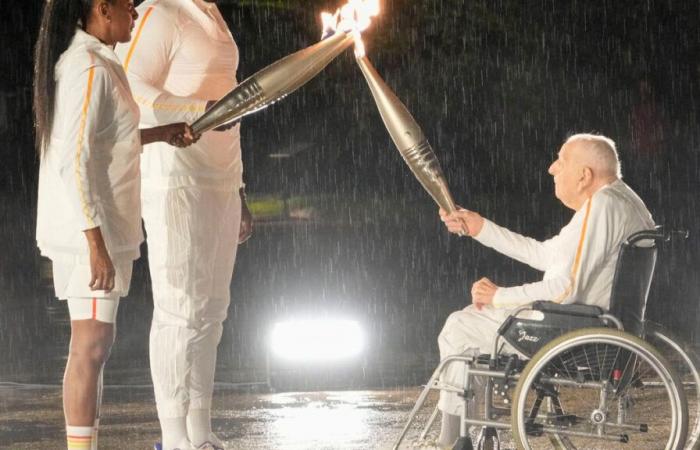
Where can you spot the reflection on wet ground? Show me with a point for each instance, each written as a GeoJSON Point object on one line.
{"type": "Point", "coordinates": [32, 419]}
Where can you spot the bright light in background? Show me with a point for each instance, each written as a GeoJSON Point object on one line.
{"type": "Point", "coordinates": [317, 340]}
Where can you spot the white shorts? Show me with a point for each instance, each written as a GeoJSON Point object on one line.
{"type": "Point", "coordinates": [101, 309]}
{"type": "Point", "coordinates": [72, 282]}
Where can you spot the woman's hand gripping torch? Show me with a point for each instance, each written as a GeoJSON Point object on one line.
{"type": "Point", "coordinates": [407, 135]}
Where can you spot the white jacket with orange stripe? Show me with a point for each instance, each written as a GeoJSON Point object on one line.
{"type": "Point", "coordinates": [182, 55]}
{"type": "Point", "coordinates": [579, 262]}
{"type": "Point", "coordinates": [89, 173]}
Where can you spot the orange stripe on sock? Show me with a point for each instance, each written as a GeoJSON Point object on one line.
{"type": "Point", "coordinates": [79, 442]}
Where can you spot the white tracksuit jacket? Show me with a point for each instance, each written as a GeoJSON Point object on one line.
{"type": "Point", "coordinates": [578, 264]}
{"type": "Point", "coordinates": [89, 174]}
{"type": "Point", "coordinates": [180, 56]}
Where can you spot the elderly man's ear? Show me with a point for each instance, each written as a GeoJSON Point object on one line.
{"type": "Point", "coordinates": [587, 178]}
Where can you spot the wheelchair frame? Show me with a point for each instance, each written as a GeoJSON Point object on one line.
{"type": "Point", "coordinates": [507, 374]}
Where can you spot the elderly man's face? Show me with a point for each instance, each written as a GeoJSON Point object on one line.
{"type": "Point", "coordinates": [567, 172]}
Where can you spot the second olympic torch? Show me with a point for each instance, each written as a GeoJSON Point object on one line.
{"type": "Point", "coordinates": [408, 137]}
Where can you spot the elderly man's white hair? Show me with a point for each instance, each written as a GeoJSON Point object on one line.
{"type": "Point", "coordinates": [600, 152]}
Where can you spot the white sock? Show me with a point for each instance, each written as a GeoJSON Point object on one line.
{"type": "Point", "coordinates": [95, 432]}
{"type": "Point", "coordinates": [79, 438]}
{"type": "Point", "coordinates": [449, 430]}
{"type": "Point", "coordinates": [199, 425]}
{"type": "Point", "coordinates": [174, 432]}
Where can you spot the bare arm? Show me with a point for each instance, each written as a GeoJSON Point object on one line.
{"type": "Point", "coordinates": [177, 134]}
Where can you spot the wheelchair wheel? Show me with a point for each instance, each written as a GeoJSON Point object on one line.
{"type": "Point", "coordinates": [687, 364]}
{"type": "Point", "coordinates": [604, 388]}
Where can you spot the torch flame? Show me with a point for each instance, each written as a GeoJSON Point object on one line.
{"type": "Point", "coordinates": [353, 17]}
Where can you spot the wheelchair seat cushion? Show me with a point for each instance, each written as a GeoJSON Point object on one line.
{"type": "Point", "coordinates": [573, 309]}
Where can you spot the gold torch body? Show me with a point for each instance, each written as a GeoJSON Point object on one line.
{"type": "Point", "coordinates": [408, 137]}
{"type": "Point", "coordinates": [273, 82]}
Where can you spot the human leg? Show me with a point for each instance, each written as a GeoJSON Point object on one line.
{"type": "Point", "coordinates": [202, 383]}
{"type": "Point", "coordinates": [166, 220]}
{"type": "Point", "coordinates": [185, 229]}
{"type": "Point", "coordinates": [93, 314]}
{"type": "Point", "coordinates": [91, 342]}
{"type": "Point", "coordinates": [466, 329]}
{"type": "Point", "coordinates": [213, 309]}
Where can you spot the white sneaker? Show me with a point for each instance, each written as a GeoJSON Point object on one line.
{"type": "Point", "coordinates": [159, 446]}
{"type": "Point", "coordinates": [212, 443]}
{"type": "Point", "coordinates": [428, 444]}
{"type": "Point", "coordinates": [184, 445]}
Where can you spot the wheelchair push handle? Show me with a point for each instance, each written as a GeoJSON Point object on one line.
{"type": "Point", "coordinates": [659, 234]}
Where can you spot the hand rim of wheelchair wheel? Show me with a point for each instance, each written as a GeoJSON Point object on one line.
{"type": "Point", "coordinates": [692, 362]}
{"type": "Point", "coordinates": [678, 403]}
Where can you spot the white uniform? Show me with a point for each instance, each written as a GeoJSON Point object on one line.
{"type": "Point", "coordinates": [578, 264]}
{"type": "Point", "coordinates": [182, 55]}
{"type": "Point", "coordinates": [89, 174]}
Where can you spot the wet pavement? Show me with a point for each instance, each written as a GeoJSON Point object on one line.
{"type": "Point", "coordinates": [31, 418]}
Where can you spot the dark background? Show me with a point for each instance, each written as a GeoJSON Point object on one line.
{"type": "Point", "coordinates": [496, 85]}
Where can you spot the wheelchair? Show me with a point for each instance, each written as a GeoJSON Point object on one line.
{"type": "Point", "coordinates": [582, 378]}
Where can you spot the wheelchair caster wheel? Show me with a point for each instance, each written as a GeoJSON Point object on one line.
{"type": "Point", "coordinates": [463, 443]}
{"type": "Point", "coordinates": [488, 439]}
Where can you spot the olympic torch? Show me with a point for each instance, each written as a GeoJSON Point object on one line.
{"type": "Point", "coordinates": [291, 72]}
{"type": "Point", "coordinates": [273, 82]}
{"type": "Point", "coordinates": [407, 135]}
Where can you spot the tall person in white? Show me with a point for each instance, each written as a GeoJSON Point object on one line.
{"type": "Point", "coordinates": [88, 214]}
{"type": "Point", "coordinates": [182, 58]}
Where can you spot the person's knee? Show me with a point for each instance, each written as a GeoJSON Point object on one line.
{"type": "Point", "coordinates": [447, 331]}
{"type": "Point", "coordinates": [92, 346]}
{"type": "Point", "coordinates": [458, 333]}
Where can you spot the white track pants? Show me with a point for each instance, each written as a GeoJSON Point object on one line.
{"type": "Point", "coordinates": [466, 329]}
{"type": "Point", "coordinates": [192, 236]}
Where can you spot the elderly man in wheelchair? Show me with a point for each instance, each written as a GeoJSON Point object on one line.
{"type": "Point", "coordinates": [546, 360]}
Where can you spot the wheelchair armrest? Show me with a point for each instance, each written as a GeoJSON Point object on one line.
{"type": "Point", "coordinates": [573, 309]}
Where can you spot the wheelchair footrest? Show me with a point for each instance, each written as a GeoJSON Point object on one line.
{"type": "Point", "coordinates": [501, 362]}
{"type": "Point", "coordinates": [463, 443]}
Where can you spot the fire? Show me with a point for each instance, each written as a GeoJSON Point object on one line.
{"type": "Point", "coordinates": [353, 17]}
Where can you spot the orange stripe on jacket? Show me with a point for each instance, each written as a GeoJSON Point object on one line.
{"type": "Point", "coordinates": [579, 251]}
{"type": "Point", "coordinates": [135, 41]}
{"type": "Point", "coordinates": [79, 150]}
{"type": "Point", "coordinates": [145, 102]}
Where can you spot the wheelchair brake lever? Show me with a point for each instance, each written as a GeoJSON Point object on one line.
{"type": "Point", "coordinates": [682, 234]}
{"type": "Point", "coordinates": [509, 369]}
